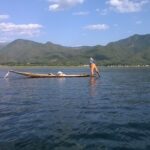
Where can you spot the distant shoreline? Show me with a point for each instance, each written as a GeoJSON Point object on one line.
{"type": "Point", "coordinates": [46, 66]}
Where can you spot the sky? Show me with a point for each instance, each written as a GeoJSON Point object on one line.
{"type": "Point", "coordinates": [73, 22]}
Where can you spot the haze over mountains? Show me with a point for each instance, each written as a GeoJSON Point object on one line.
{"type": "Point", "coordinates": [134, 50]}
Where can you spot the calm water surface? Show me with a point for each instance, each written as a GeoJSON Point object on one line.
{"type": "Point", "coordinates": [107, 113]}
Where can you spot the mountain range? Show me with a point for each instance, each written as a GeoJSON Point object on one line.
{"type": "Point", "coordinates": [134, 50]}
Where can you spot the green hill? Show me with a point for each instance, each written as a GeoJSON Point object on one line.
{"type": "Point", "coordinates": [134, 50]}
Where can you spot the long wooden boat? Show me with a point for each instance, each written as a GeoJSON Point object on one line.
{"type": "Point", "coordinates": [50, 75]}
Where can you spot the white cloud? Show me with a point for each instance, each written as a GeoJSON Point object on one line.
{"type": "Point", "coordinates": [98, 27]}
{"type": "Point", "coordinates": [3, 17]}
{"type": "Point", "coordinates": [59, 5]}
{"type": "Point", "coordinates": [20, 29]}
{"type": "Point", "coordinates": [81, 13]}
{"type": "Point", "coordinates": [9, 31]}
{"type": "Point", "coordinates": [54, 7]}
{"type": "Point", "coordinates": [126, 6]}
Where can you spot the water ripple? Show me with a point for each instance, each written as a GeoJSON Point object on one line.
{"type": "Point", "coordinates": [109, 113]}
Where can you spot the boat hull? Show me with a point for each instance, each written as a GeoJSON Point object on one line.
{"type": "Point", "coordinates": [40, 75]}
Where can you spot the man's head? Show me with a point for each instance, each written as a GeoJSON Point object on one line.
{"type": "Point", "coordinates": [91, 60]}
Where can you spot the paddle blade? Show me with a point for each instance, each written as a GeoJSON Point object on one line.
{"type": "Point", "coordinates": [7, 74]}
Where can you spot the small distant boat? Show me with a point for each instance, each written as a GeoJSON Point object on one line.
{"type": "Point", "coordinates": [49, 75]}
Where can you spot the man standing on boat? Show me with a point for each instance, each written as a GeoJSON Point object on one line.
{"type": "Point", "coordinates": [93, 67]}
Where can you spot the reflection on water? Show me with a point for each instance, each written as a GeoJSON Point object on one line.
{"type": "Point", "coordinates": [93, 85]}
{"type": "Point", "coordinates": [61, 81]}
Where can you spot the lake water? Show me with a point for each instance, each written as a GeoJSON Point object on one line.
{"type": "Point", "coordinates": [107, 113]}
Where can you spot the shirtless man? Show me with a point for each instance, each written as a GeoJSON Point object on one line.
{"type": "Point", "coordinates": [93, 67]}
